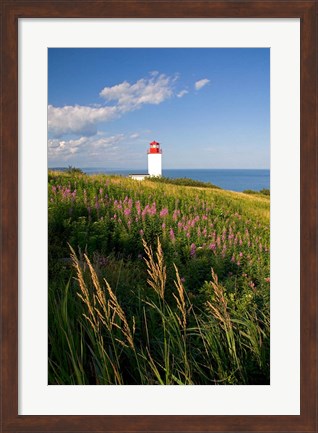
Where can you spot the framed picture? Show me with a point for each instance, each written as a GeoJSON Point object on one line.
{"type": "Point", "coordinates": [166, 234]}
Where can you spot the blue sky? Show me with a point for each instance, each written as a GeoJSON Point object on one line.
{"type": "Point", "coordinates": [209, 108]}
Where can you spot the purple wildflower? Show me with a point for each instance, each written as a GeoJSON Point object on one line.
{"type": "Point", "coordinates": [164, 212]}
{"type": "Point", "coordinates": [193, 249]}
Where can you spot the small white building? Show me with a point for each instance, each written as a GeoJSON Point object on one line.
{"type": "Point", "coordinates": [139, 176]}
{"type": "Point", "coordinates": [154, 162]}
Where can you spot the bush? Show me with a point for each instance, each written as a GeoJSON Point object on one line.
{"type": "Point", "coordinates": [263, 191]}
{"type": "Point", "coordinates": [73, 170]}
{"type": "Point", "coordinates": [183, 181]}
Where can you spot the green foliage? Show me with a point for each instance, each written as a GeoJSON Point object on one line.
{"type": "Point", "coordinates": [262, 191]}
{"type": "Point", "coordinates": [265, 191]}
{"type": "Point", "coordinates": [73, 170]}
{"type": "Point", "coordinates": [183, 181]}
{"type": "Point", "coordinates": [108, 218]}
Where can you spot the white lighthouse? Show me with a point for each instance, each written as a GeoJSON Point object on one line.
{"type": "Point", "coordinates": [154, 163]}
{"type": "Point", "coordinates": [154, 159]}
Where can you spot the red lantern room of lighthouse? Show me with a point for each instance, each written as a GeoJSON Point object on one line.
{"type": "Point", "coordinates": [154, 159]}
{"type": "Point", "coordinates": [154, 147]}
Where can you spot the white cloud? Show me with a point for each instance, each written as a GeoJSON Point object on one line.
{"type": "Point", "coordinates": [134, 135]}
{"type": "Point", "coordinates": [101, 150]}
{"type": "Point", "coordinates": [201, 83]}
{"type": "Point", "coordinates": [129, 97]}
{"type": "Point", "coordinates": [182, 93]}
{"type": "Point", "coordinates": [84, 146]}
{"type": "Point", "coordinates": [79, 119]}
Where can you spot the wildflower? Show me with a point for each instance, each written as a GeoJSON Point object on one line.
{"type": "Point", "coordinates": [172, 236]}
{"type": "Point", "coordinates": [192, 250]}
{"type": "Point", "coordinates": [175, 214]}
{"type": "Point", "coordinates": [212, 246]}
{"type": "Point", "coordinates": [153, 209]}
{"type": "Point", "coordinates": [137, 204]}
{"type": "Point", "coordinates": [145, 211]}
{"type": "Point", "coordinates": [164, 212]}
{"type": "Point", "coordinates": [141, 232]}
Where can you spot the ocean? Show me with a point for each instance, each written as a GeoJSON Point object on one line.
{"type": "Point", "coordinates": [234, 180]}
{"type": "Point", "coordinates": [231, 179]}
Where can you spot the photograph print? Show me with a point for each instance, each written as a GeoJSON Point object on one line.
{"type": "Point", "coordinates": [158, 216]}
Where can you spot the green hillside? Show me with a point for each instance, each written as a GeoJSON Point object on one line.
{"type": "Point", "coordinates": [156, 283]}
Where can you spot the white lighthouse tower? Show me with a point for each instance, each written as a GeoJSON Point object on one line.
{"type": "Point", "coordinates": [154, 159]}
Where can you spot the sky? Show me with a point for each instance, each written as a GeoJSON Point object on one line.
{"type": "Point", "coordinates": [208, 108]}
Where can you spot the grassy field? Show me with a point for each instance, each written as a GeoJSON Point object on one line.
{"type": "Point", "coordinates": [156, 283]}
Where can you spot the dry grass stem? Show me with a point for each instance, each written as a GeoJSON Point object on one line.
{"type": "Point", "coordinates": [220, 312]}
{"type": "Point", "coordinates": [180, 299]}
{"type": "Point", "coordinates": [156, 269]}
{"type": "Point", "coordinates": [219, 306]}
{"type": "Point", "coordinates": [119, 312]}
{"type": "Point", "coordinates": [100, 310]}
{"type": "Point", "coordinates": [85, 295]}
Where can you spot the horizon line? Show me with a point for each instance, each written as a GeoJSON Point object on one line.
{"type": "Point", "coordinates": [179, 168]}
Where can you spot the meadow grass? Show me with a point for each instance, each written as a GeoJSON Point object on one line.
{"type": "Point", "coordinates": [153, 283]}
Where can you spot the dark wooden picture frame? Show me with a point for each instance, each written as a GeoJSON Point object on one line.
{"type": "Point", "coordinates": [12, 10]}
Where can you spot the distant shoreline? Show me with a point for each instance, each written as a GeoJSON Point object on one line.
{"type": "Point", "coordinates": [229, 179]}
